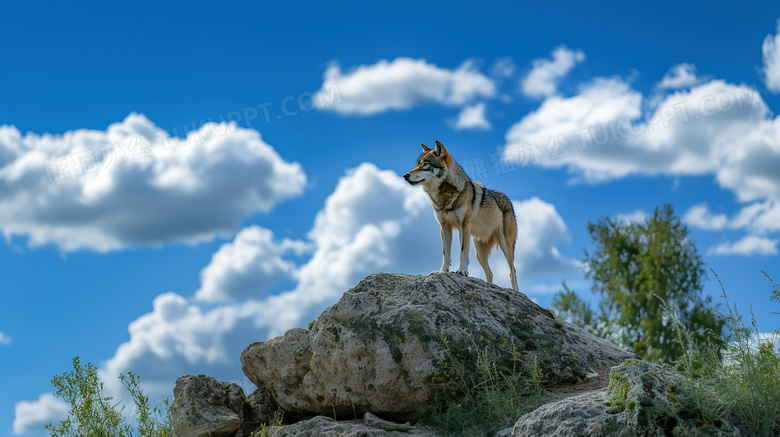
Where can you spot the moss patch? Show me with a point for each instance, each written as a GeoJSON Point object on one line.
{"type": "Point", "coordinates": [619, 386]}
{"type": "Point", "coordinates": [417, 327]}
{"type": "Point", "coordinates": [333, 330]}
{"type": "Point", "coordinates": [521, 334]}
{"type": "Point", "coordinates": [396, 353]}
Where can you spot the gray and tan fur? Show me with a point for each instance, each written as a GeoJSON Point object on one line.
{"type": "Point", "coordinates": [465, 204]}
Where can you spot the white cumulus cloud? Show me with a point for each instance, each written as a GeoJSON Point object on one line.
{"type": "Point", "coordinates": [601, 133]}
{"type": "Point", "coordinates": [32, 416]}
{"type": "Point", "coordinates": [248, 266]}
{"type": "Point", "coordinates": [401, 84]}
{"type": "Point", "coordinates": [472, 117]}
{"type": "Point", "coordinates": [700, 216]}
{"type": "Point", "coordinates": [555, 126]}
{"type": "Point", "coordinates": [747, 245]}
{"type": "Point", "coordinates": [542, 80]}
{"type": "Point", "coordinates": [539, 230]}
{"type": "Point", "coordinates": [503, 67]}
{"type": "Point", "coordinates": [132, 184]}
{"type": "Point", "coordinates": [680, 76]}
{"type": "Point", "coordinates": [606, 132]}
{"type": "Point", "coordinates": [5, 340]}
{"type": "Point", "coordinates": [771, 59]}
{"type": "Point", "coordinates": [757, 217]}
{"type": "Point", "coordinates": [637, 216]}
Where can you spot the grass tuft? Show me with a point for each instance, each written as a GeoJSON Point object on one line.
{"type": "Point", "coordinates": [742, 384]}
{"type": "Point", "coordinates": [488, 399]}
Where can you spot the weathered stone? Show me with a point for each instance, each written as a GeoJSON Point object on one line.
{"type": "Point", "coordinates": [259, 409]}
{"type": "Point", "coordinates": [585, 415]}
{"type": "Point", "coordinates": [386, 345]}
{"type": "Point", "coordinates": [653, 403]}
{"type": "Point", "coordinates": [205, 407]}
{"type": "Point", "coordinates": [326, 426]}
{"type": "Point", "coordinates": [375, 422]}
{"type": "Point", "coordinates": [506, 432]}
{"type": "Point", "coordinates": [640, 401]}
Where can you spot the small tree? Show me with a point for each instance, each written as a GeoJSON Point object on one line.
{"type": "Point", "coordinates": [639, 269]}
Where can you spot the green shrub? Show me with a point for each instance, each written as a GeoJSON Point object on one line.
{"type": "Point", "coordinates": [742, 384]}
{"type": "Point", "coordinates": [93, 414]}
{"type": "Point", "coordinates": [487, 399]}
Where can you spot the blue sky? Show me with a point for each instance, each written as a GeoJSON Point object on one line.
{"type": "Point", "coordinates": [179, 180]}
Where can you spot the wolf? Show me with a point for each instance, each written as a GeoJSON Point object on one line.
{"type": "Point", "coordinates": [465, 204]}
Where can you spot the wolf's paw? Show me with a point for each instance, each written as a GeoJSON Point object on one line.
{"type": "Point", "coordinates": [463, 272]}
{"type": "Point", "coordinates": [437, 272]}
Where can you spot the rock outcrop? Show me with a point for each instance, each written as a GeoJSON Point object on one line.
{"type": "Point", "coordinates": [585, 415]}
{"type": "Point", "coordinates": [386, 345]}
{"type": "Point", "coordinates": [386, 350]}
{"type": "Point", "coordinates": [205, 407]}
{"type": "Point", "coordinates": [643, 399]}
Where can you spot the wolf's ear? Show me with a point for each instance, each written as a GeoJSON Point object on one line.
{"type": "Point", "coordinates": [425, 148]}
{"type": "Point", "coordinates": [440, 149]}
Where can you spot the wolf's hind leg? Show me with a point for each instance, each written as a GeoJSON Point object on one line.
{"type": "Point", "coordinates": [483, 248]}
{"type": "Point", "coordinates": [508, 247]}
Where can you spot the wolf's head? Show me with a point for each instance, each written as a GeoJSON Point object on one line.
{"type": "Point", "coordinates": [432, 166]}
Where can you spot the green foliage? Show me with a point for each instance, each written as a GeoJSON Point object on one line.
{"type": "Point", "coordinates": [637, 269]}
{"type": "Point", "coordinates": [741, 385]}
{"type": "Point", "coordinates": [568, 306]}
{"type": "Point", "coordinates": [488, 399]}
{"type": "Point", "coordinates": [151, 422]}
{"type": "Point", "coordinates": [93, 414]}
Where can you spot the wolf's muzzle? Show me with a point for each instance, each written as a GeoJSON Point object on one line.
{"type": "Point", "coordinates": [407, 176]}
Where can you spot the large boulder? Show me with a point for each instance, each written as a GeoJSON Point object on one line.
{"type": "Point", "coordinates": [205, 407]}
{"type": "Point", "coordinates": [643, 399]}
{"type": "Point", "coordinates": [388, 345]}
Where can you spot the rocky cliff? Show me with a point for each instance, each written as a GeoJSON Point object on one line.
{"type": "Point", "coordinates": [374, 362]}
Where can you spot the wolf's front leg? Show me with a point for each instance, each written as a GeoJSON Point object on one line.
{"type": "Point", "coordinates": [446, 247]}
{"type": "Point", "coordinates": [464, 250]}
